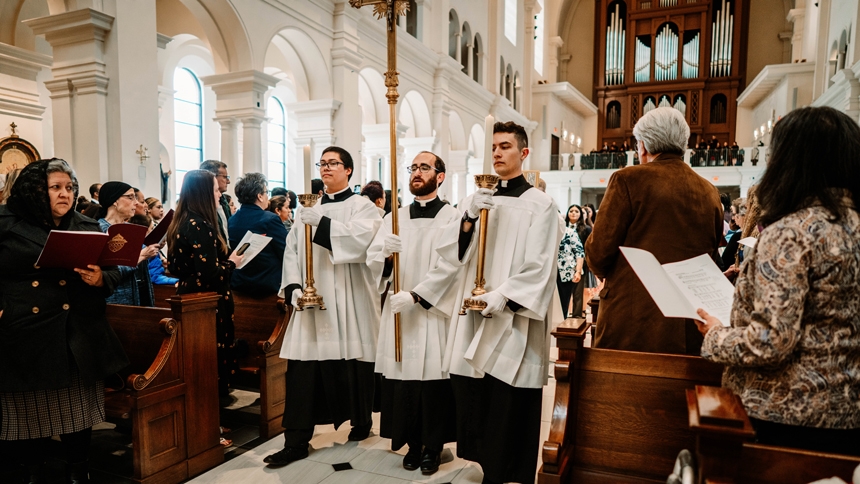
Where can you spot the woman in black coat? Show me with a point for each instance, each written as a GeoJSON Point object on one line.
{"type": "Point", "coordinates": [55, 341]}
{"type": "Point", "coordinates": [197, 255]}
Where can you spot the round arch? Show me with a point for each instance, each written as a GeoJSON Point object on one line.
{"type": "Point", "coordinates": [456, 132]}
{"type": "Point", "coordinates": [372, 95]}
{"type": "Point", "coordinates": [297, 55]}
{"type": "Point", "coordinates": [415, 114]}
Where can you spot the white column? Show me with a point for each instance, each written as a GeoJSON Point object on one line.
{"type": "Point", "coordinates": [314, 127]}
{"type": "Point", "coordinates": [525, 94]}
{"type": "Point", "coordinates": [469, 64]}
{"type": "Point", "coordinates": [230, 144]}
{"type": "Point", "coordinates": [377, 144]}
{"type": "Point", "coordinates": [555, 44]}
{"type": "Point", "coordinates": [797, 16]}
{"type": "Point", "coordinates": [19, 95]}
{"type": "Point", "coordinates": [346, 63]}
{"type": "Point", "coordinates": [241, 96]}
{"type": "Point", "coordinates": [459, 53]}
{"type": "Point", "coordinates": [79, 89]}
{"type": "Point", "coordinates": [458, 165]}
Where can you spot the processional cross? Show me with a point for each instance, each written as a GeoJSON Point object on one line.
{"type": "Point", "coordinates": [390, 10]}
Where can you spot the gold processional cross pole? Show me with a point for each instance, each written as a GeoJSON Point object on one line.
{"type": "Point", "coordinates": [390, 10]}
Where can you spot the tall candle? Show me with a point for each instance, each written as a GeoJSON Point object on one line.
{"type": "Point", "coordinates": [489, 122]}
{"type": "Point", "coordinates": [308, 176]}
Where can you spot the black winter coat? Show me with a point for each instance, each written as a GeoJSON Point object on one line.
{"type": "Point", "coordinates": [52, 321]}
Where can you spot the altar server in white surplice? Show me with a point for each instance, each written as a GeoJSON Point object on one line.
{"type": "Point", "coordinates": [498, 366]}
{"type": "Point", "coordinates": [417, 401]}
{"type": "Point", "coordinates": [330, 353]}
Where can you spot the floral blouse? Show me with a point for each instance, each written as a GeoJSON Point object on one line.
{"type": "Point", "coordinates": [793, 351]}
{"type": "Point", "coordinates": [197, 260]}
{"type": "Point", "coordinates": [569, 251]}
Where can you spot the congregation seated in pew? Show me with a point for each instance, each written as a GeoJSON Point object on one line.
{"type": "Point", "coordinates": [792, 352]}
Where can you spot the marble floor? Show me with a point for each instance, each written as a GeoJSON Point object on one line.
{"type": "Point", "coordinates": [371, 461]}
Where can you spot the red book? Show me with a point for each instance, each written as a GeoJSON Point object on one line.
{"type": "Point", "coordinates": [160, 230]}
{"type": "Point", "coordinates": [120, 246]}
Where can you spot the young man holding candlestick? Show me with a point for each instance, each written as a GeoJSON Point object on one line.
{"type": "Point", "coordinates": [498, 366]}
{"type": "Point", "coordinates": [417, 400]}
{"type": "Point", "coordinates": [331, 352]}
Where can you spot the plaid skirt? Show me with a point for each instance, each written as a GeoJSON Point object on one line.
{"type": "Point", "coordinates": [45, 413]}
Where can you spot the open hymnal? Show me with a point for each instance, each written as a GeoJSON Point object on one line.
{"type": "Point", "coordinates": [120, 246]}
{"type": "Point", "coordinates": [749, 241]}
{"type": "Point", "coordinates": [256, 244]}
{"type": "Point", "coordinates": [680, 288]}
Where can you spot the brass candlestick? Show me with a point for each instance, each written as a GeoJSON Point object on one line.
{"type": "Point", "coordinates": [310, 299]}
{"type": "Point", "coordinates": [470, 303]}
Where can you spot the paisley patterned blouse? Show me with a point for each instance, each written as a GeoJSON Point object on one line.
{"type": "Point", "coordinates": [569, 250]}
{"type": "Point", "coordinates": [793, 351]}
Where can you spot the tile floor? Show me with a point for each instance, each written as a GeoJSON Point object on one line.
{"type": "Point", "coordinates": [372, 460]}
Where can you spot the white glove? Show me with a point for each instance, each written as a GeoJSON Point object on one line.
{"type": "Point", "coordinates": [393, 244]}
{"type": "Point", "coordinates": [482, 199]}
{"type": "Point", "coordinates": [311, 216]}
{"type": "Point", "coordinates": [294, 299]}
{"type": "Point", "coordinates": [401, 301]}
{"type": "Point", "coordinates": [495, 303]}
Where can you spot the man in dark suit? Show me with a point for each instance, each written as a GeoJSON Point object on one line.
{"type": "Point", "coordinates": [661, 206]}
{"type": "Point", "coordinates": [262, 276]}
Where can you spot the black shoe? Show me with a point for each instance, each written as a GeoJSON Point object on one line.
{"type": "Point", "coordinates": [285, 456]}
{"type": "Point", "coordinates": [412, 459]}
{"type": "Point", "coordinates": [430, 461]}
{"type": "Point", "coordinates": [77, 473]}
{"type": "Point", "coordinates": [359, 432]}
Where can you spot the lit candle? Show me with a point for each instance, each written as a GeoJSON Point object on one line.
{"type": "Point", "coordinates": [307, 152]}
{"type": "Point", "coordinates": [489, 121]}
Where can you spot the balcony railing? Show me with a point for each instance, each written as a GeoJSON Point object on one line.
{"type": "Point", "coordinates": [717, 157]}
{"type": "Point", "coordinates": [604, 161]}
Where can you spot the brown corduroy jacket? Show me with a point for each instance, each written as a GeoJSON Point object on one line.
{"type": "Point", "coordinates": [663, 207]}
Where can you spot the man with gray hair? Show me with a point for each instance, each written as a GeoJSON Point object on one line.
{"type": "Point", "coordinates": [661, 206]}
{"type": "Point", "coordinates": [219, 169]}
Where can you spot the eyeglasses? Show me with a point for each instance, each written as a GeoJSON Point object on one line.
{"type": "Point", "coordinates": [129, 196]}
{"type": "Point", "coordinates": [423, 168]}
{"type": "Point", "coordinates": [327, 165]}
{"type": "Point", "coordinates": [226, 177]}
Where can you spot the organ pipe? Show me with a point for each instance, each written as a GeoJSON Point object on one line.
{"type": "Point", "coordinates": [643, 62]}
{"type": "Point", "coordinates": [721, 41]}
{"type": "Point", "coordinates": [691, 58]}
{"type": "Point", "coordinates": [666, 57]}
{"type": "Point", "coordinates": [615, 40]}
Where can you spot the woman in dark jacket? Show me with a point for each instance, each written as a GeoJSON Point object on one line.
{"type": "Point", "coordinates": [55, 341]}
{"type": "Point", "coordinates": [197, 255]}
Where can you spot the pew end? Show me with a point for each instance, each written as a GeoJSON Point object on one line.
{"type": "Point", "coordinates": [727, 454]}
{"type": "Point", "coordinates": [170, 394]}
{"type": "Point", "coordinates": [618, 416]}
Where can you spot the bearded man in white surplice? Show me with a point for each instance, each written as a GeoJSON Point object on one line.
{"type": "Point", "coordinates": [417, 401]}
{"type": "Point", "coordinates": [330, 353]}
{"type": "Point", "coordinates": [498, 366]}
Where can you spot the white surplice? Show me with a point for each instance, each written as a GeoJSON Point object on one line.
{"type": "Point", "coordinates": [349, 326]}
{"type": "Point", "coordinates": [424, 333]}
{"type": "Point", "coordinates": [523, 234]}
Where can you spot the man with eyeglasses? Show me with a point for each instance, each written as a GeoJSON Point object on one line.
{"type": "Point", "coordinates": [417, 400]}
{"type": "Point", "coordinates": [219, 169]}
{"type": "Point", "coordinates": [330, 353]}
{"type": "Point", "coordinates": [499, 366]}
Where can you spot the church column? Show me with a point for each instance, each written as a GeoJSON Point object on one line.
{"type": "Point", "coordinates": [241, 96]}
{"type": "Point", "coordinates": [555, 44]}
{"type": "Point", "coordinates": [79, 88]}
{"type": "Point", "coordinates": [377, 144]}
{"type": "Point", "coordinates": [425, 19]}
{"type": "Point", "coordinates": [441, 116]}
{"type": "Point", "coordinates": [458, 52]}
{"type": "Point", "coordinates": [458, 174]}
{"type": "Point", "coordinates": [229, 143]}
{"type": "Point", "coordinates": [346, 63]}
{"type": "Point", "coordinates": [469, 64]}
{"type": "Point", "coordinates": [797, 16]}
{"type": "Point", "coordinates": [314, 127]}
{"type": "Point", "coordinates": [19, 95]}
{"type": "Point", "coordinates": [525, 94]}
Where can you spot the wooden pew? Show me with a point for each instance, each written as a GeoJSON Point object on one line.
{"type": "Point", "coordinates": [171, 388]}
{"type": "Point", "coordinates": [261, 322]}
{"type": "Point", "coordinates": [726, 454]}
{"type": "Point", "coordinates": [618, 416]}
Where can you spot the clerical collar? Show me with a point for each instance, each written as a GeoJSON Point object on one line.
{"type": "Point", "coordinates": [337, 197]}
{"type": "Point", "coordinates": [425, 208]}
{"type": "Point", "coordinates": [513, 187]}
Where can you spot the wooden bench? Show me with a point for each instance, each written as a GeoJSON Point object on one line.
{"type": "Point", "coordinates": [618, 416]}
{"type": "Point", "coordinates": [171, 388]}
{"type": "Point", "coordinates": [261, 322]}
{"type": "Point", "coordinates": [725, 453]}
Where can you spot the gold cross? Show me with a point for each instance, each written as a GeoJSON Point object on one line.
{"type": "Point", "coordinates": [141, 152]}
{"type": "Point", "coordinates": [13, 126]}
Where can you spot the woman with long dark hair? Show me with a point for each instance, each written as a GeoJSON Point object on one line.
{"type": "Point", "coordinates": [571, 257]}
{"type": "Point", "coordinates": [792, 352]}
{"type": "Point", "coordinates": [197, 254]}
{"type": "Point", "coordinates": [56, 342]}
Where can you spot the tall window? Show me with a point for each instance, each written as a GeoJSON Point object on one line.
{"type": "Point", "coordinates": [511, 20]}
{"type": "Point", "coordinates": [277, 137]}
{"type": "Point", "coordinates": [187, 122]}
{"type": "Point", "coordinates": [539, 38]}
